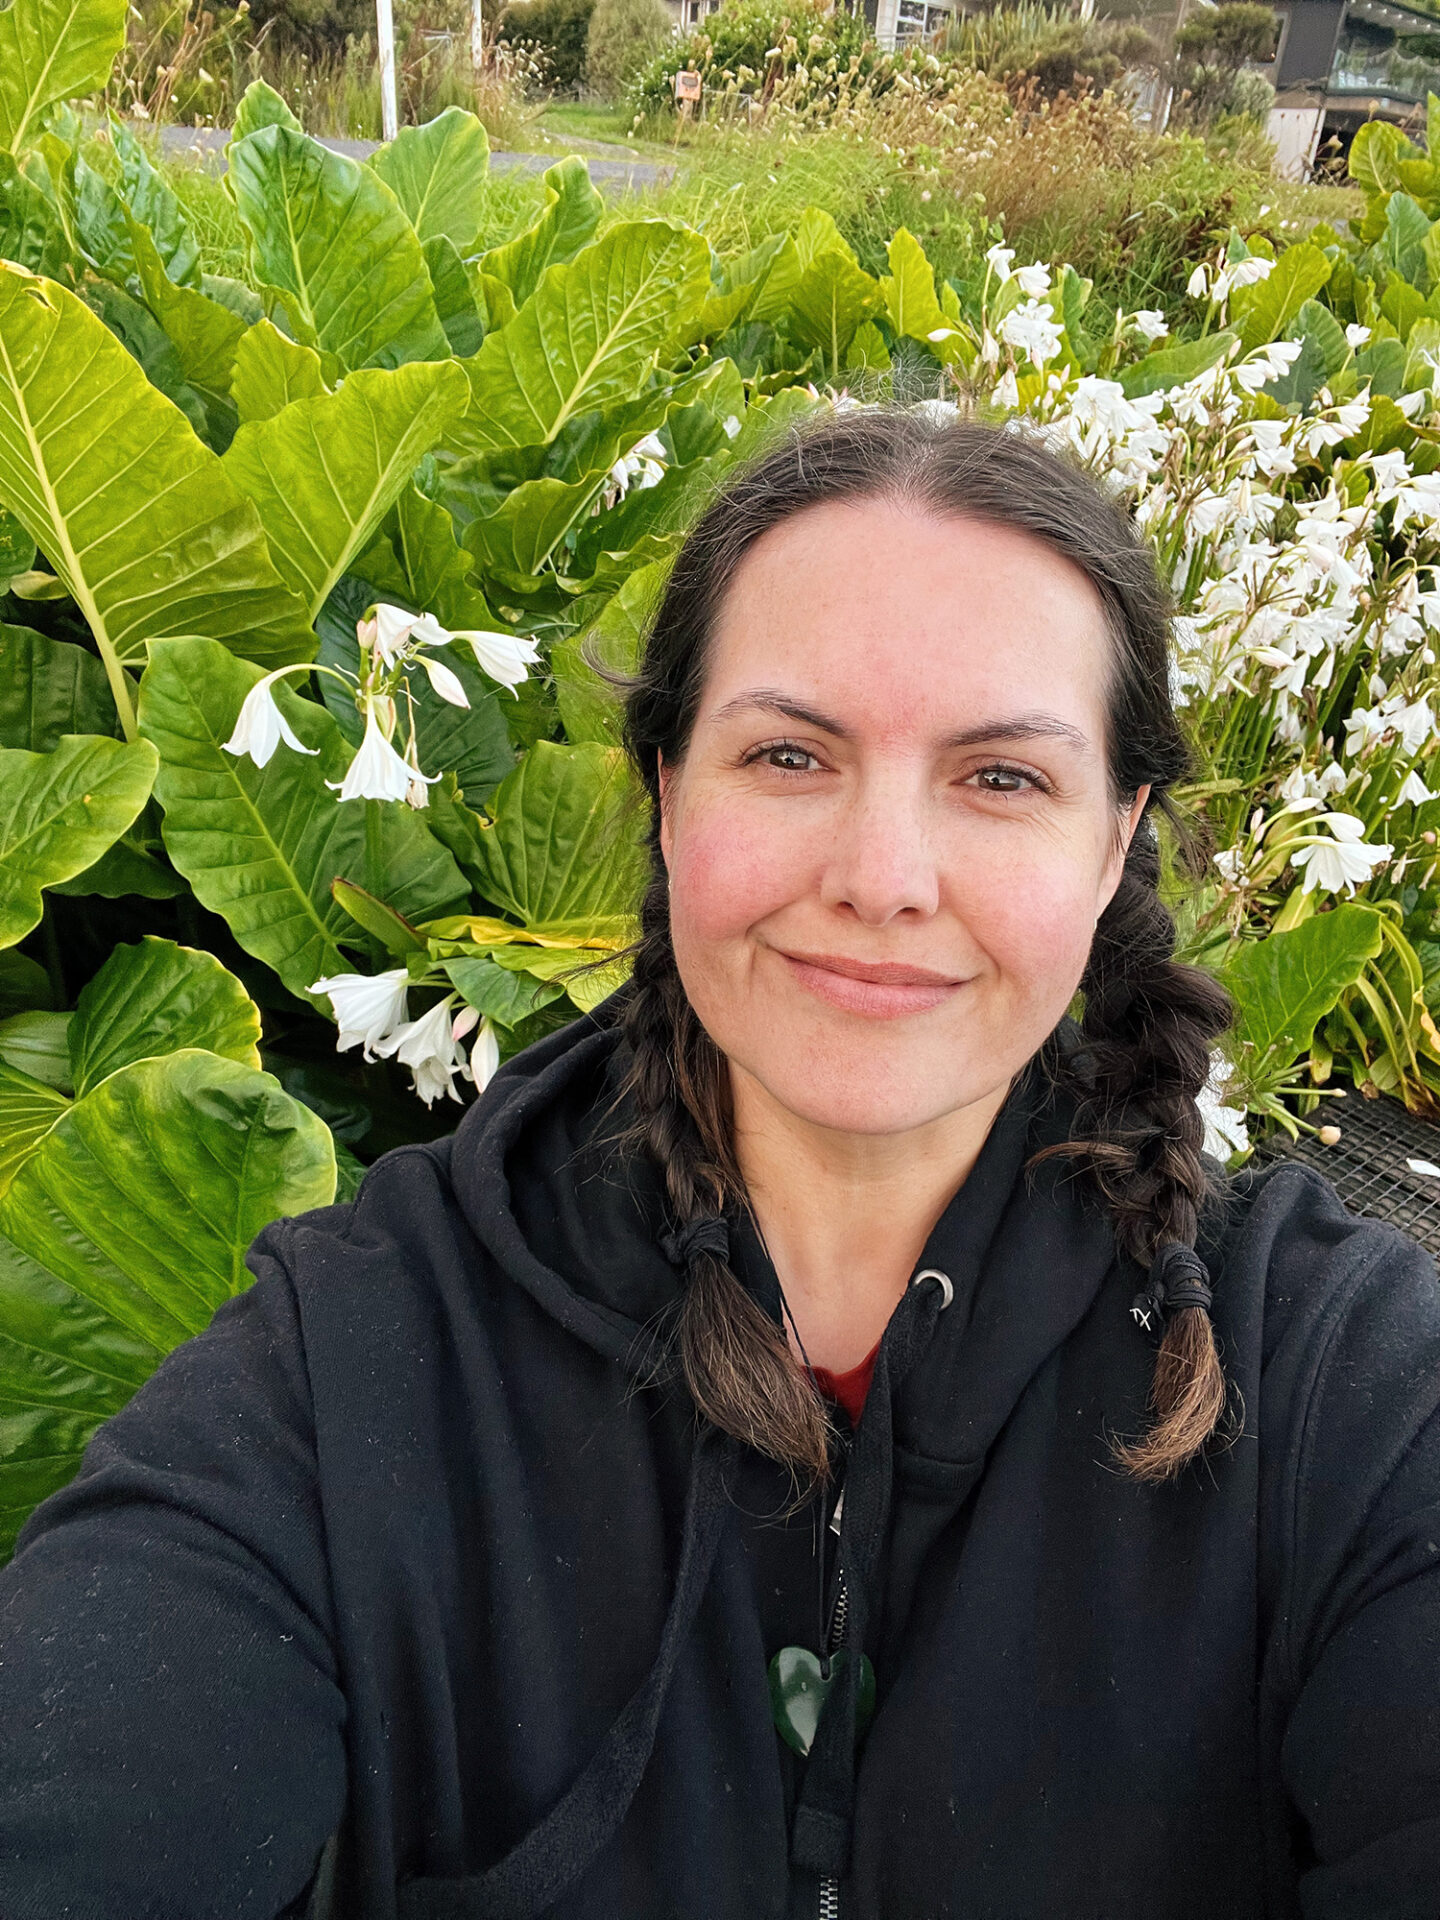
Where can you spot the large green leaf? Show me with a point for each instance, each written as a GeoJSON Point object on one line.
{"type": "Point", "coordinates": [271, 371]}
{"type": "Point", "coordinates": [153, 204]}
{"type": "Point", "coordinates": [49, 688]}
{"type": "Point", "coordinates": [1283, 985]}
{"type": "Point", "coordinates": [1266, 308]}
{"type": "Point", "coordinates": [908, 290]}
{"type": "Point", "coordinates": [589, 704]}
{"type": "Point", "coordinates": [592, 333]}
{"type": "Point", "coordinates": [1173, 366]}
{"type": "Point", "coordinates": [324, 472]}
{"type": "Point", "coordinates": [135, 514]}
{"type": "Point", "coordinates": [158, 997]}
{"type": "Point", "coordinates": [52, 50]}
{"type": "Point", "coordinates": [58, 813]}
{"type": "Point", "coordinates": [261, 845]}
{"type": "Point", "coordinates": [571, 216]}
{"type": "Point", "coordinates": [37, 1042]}
{"type": "Point", "coordinates": [32, 233]}
{"type": "Point", "coordinates": [1375, 153]}
{"type": "Point", "coordinates": [28, 1110]}
{"type": "Point", "coordinates": [419, 563]}
{"type": "Point", "coordinates": [1402, 245]}
{"type": "Point", "coordinates": [204, 334]}
{"type": "Point", "coordinates": [829, 302]}
{"type": "Point", "coordinates": [564, 847]}
{"type": "Point", "coordinates": [438, 174]}
{"type": "Point", "coordinates": [261, 106]}
{"type": "Point", "coordinates": [454, 296]}
{"type": "Point", "coordinates": [121, 1236]}
{"type": "Point", "coordinates": [331, 238]}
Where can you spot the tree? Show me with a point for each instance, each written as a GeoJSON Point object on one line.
{"type": "Point", "coordinates": [1211, 49]}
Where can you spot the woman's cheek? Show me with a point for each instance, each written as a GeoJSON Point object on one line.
{"type": "Point", "coordinates": [1036, 922]}
{"type": "Point", "coordinates": [727, 873]}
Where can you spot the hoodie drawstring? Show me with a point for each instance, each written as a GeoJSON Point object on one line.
{"type": "Point", "coordinates": [820, 1838]}
{"type": "Point", "coordinates": [552, 1856]}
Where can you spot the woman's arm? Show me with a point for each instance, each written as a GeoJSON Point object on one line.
{"type": "Point", "coordinates": [172, 1714]}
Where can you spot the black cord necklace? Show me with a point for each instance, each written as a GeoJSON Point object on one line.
{"type": "Point", "coordinates": [800, 1681]}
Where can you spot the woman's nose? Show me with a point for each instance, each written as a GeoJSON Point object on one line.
{"type": "Point", "coordinates": [882, 863]}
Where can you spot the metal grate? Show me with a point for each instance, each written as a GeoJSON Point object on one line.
{"type": "Point", "coordinates": [1369, 1165]}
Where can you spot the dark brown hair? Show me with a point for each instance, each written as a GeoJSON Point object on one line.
{"type": "Point", "coordinates": [1147, 1021]}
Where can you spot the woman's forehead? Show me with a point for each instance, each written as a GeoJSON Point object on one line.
{"type": "Point", "coordinates": [872, 610]}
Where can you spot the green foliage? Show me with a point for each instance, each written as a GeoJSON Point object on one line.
{"type": "Point", "coordinates": [623, 35]}
{"type": "Point", "coordinates": [121, 1234]}
{"type": "Point", "coordinates": [558, 29]}
{"type": "Point", "coordinates": [1284, 986]}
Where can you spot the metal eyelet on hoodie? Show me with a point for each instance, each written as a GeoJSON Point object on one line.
{"type": "Point", "coordinates": [947, 1286]}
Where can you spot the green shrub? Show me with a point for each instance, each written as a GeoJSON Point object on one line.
{"type": "Point", "coordinates": [624, 35]}
{"type": "Point", "coordinates": [557, 29]}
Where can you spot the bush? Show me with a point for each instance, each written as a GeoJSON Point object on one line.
{"type": "Point", "coordinates": [558, 30]}
{"type": "Point", "coordinates": [754, 45]}
{"type": "Point", "coordinates": [624, 35]}
{"type": "Point", "coordinates": [1046, 49]}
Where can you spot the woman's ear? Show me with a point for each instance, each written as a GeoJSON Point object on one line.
{"type": "Point", "coordinates": [1115, 865]}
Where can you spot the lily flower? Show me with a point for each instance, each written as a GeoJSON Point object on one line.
{"type": "Point", "coordinates": [1150, 322]}
{"type": "Point", "coordinates": [445, 682]}
{"type": "Point", "coordinates": [368, 1007]}
{"type": "Point", "coordinates": [1413, 791]}
{"type": "Point", "coordinates": [429, 1048]}
{"type": "Point", "coordinates": [377, 772]}
{"type": "Point", "coordinates": [506, 657]}
{"type": "Point", "coordinates": [1225, 1129]}
{"type": "Point", "coordinates": [1345, 860]}
{"type": "Point", "coordinates": [1034, 279]}
{"type": "Point", "coordinates": [484, 1057]}
{"type": "Point", "coordinates": [261, 726]}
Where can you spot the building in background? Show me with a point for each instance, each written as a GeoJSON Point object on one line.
{"type": "Point", "coordinates": [1340, 63]}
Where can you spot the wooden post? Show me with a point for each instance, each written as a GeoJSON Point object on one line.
{"type": "Point", "coordinates": [385, 41]}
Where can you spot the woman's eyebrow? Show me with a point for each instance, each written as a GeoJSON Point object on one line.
{"type": "Point", "coordinates": [1018, 726]}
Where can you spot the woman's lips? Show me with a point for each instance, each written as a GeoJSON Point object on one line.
{"type": "Point", "coordinates": [883, 991]}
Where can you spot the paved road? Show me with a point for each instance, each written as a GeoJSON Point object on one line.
{"type": "Point", "coordinates": [619, 176]}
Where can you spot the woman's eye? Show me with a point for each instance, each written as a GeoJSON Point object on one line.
{"type": "Point", "coordinates": [788, 759]}
{"type": "Point", "coordinates": [1003, 780]}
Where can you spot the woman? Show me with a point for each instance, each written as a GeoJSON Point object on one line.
{"type": "Point", "coordinates": [817, 1440]}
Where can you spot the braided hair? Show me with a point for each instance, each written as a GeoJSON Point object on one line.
{"type": "Point", "coordinates": [1147, 1022]}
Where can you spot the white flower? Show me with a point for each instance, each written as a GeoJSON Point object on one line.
{"type": "Point", "coordinates": [1034, 279]}
{"type": "Point", "coordinates": [1413, 791]}
{"type": "Point", "coordinates": [1356, 336]}
{"type": "Point", "coordinates": [1245, 273]}
{"type": "Point", "coordinates": [1269, 363]}
{"type": "Point", "coordinates": [392, 630]}
{"type": "Point", "coordinates": [937, 334]}
{"type": "Point", "coordinates": [1230, 863]}
{"type": "Point", "coordinates": [731, 422]}
{"type": "Point", "coordinates": [998, 260]}
{"type": "Point", "coordinates": [942, 413]}
{"type": "Point", "coordinates": [1345, 860]}
{"type": "Point", "coordinates": [1031, 330]}
{"type": "Point", "coordinates": [367, 1006]}
{"type": "Point", "coordinates": [1225, 1130]}
{"type": "Point", "coordinates": [484, 1056]}
{"type": "Point", "coordinates": [260, 726]}
{"type": "Point", "coordinates": [1197, 283]}
{"type": "Point", "coordinates": [1150, 322]}
{"type": "Point", "coordinates": [445, 682]}
{"type": "Point", "coordinates": [1007, 391]}
{"type": "Point", "coordinates": [377, 772]}
{"type": "Point", "coordinates": [429, 1048]}
{"type": "Point", "coordinates": [506, 657]}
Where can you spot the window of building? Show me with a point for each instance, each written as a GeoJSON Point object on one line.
{"type": "Point", "coordinates": [918, 19]}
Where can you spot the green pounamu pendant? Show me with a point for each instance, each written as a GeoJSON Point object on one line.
{"type": "Point", "coordinates": [798, 1691]}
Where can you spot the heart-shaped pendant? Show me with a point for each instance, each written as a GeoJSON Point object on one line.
{"type": "Point", "coordinates": [799, 1690]}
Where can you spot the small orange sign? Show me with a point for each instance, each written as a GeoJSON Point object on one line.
{"type": "Point", "coordinates": [687, 86]}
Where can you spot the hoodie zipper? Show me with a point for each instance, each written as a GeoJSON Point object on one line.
{"type": "Point", "coordinates": [830, 1889]}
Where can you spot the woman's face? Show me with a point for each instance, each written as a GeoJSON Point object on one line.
{"type": "Point", "coordinates": [892, 833]}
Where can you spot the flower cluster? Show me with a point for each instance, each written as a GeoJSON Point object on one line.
{"type": "Point", "coordinates": [371, 1012]}
{"type": "Point", "coordinates": [393, 644]}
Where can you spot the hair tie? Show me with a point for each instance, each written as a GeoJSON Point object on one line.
{"type": "Point", "coordinates": [1178, 1278]}
{"type": "Point", "coordinates": [709, 1234]}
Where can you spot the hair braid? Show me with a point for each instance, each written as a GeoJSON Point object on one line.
{"type": "Point", "coordinates": [1148, 1023]}
{"type": "Point", "coordinates": [736, 1362]}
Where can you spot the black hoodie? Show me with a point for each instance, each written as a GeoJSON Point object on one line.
{"type": "Point", "coordinates": [414, 1543]}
